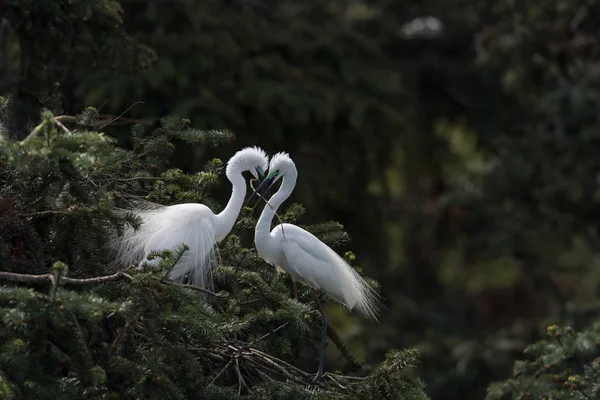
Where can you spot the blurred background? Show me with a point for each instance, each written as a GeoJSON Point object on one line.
{"type": "Point", "coordinates": [456, 141]}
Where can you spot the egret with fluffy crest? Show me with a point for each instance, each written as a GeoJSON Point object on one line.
{"type": "Point", "coordinates": [306, 258]}
{"type": "Point", "coordinates": [165, 227]}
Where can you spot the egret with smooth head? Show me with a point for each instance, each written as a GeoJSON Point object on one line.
{"type": "Point", "coordinates": [306, 258]}
{"type": "Point", "coordinates": [165, 227]}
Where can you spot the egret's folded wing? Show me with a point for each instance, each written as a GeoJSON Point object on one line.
{"type": "Point", "coordinates": [322, 268]}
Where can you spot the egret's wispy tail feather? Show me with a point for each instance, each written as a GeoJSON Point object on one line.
{"type": "Point", "coordinates": [358, 295]}
{"type": "Point", "coordinates": [161, 229]}
{"type": "Point", "coordinates": [129, 247]}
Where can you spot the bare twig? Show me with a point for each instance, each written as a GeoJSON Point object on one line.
{"type": "Point", "coordinates": [60, 124]}
{"type": "Point", "coordinates": [116, 345]}
{"type": "Point", "coordinates": [183, 285]}
{"type": "Point", "coordinates": [33, 133]}
{"type": "Point", "coordinates": [138, 178]}
{"type": "Point", "coordinates": [57, 120]}
{"type": "Point", "coordinates": [268, 333]}
{"type": "Point", "coordinates": [46, 212]}
{"type": "Point", "coordinates": [49, 279]}
{"type": "Point", "coordinates": [268, 204]}
{"type": "Point", "coordinates": [221, 372]}
{"type": "Point", "coordinates": [239, 374]}
{"type": "Point", "coordinates": [65, 118]}
{"type": "Point", "coordinates": [120, 115]}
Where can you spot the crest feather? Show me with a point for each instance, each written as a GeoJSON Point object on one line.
{"type": "Point", "coordinates": [247, 159]}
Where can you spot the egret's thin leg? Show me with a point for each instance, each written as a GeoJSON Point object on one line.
{"type": "Point", "coordinates": [295, 287]}
{"type": "Point", "coordinates": [323, 340]}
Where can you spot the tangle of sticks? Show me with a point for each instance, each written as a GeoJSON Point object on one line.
{"type": "Point", "coordinates": [249, 363]}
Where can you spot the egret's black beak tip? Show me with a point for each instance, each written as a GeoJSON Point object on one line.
{"type": "Point", "coordinates": [264, 185]}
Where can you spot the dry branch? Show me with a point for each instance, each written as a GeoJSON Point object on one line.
{"type": "Point", "coordinates": [239, 356]}
{"type": "Point", "coordinates": [118, 276]}
{"type": "Point", "coordinates": [49, 279]}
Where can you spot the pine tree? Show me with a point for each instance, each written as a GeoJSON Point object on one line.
{"type": "Point", "coordinates": [44, 42]}
{"type": "Point", "coordinates": [566, 365]}
{"type": "Point", "coordinates": [70, 329]}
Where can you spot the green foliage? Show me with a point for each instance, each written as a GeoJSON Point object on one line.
{"type": "Point", "coordinates": [136, 334]}
{"type": "Point", "coordinates": [564, 366]}
{"type": "Point", "coordinates": [392, 379]}
{"type": "Point", "coordinates": [57, 38]}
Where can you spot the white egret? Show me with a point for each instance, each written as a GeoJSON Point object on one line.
{"type": "Point", "coordinates": [306, 258]}
{"type": "Point", "coordinates": [165, 227]}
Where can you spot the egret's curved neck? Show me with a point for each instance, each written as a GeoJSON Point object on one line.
{"type": "Point", "coordinates": [263, 226]}
{"type": "Point", "coordinates": [226, 218]}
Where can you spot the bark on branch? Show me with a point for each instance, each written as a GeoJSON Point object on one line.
{"type": "Point", "coordinates": [49, 279]}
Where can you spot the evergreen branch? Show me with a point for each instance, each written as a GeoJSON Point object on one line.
{"type": "Point", "coordinates": [101, 123]}
{"type": "Point", "coordinates": [81, 352]}
{"type": "Point", "coordinates": [50, 279]}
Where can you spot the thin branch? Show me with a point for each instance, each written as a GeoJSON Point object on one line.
{"type": "Point", "coordinates": [138, 178]}
{"type": "Point", "coordinates": [46, 212]}
{"type": "Point", "coordinates": [116, 345]}
{"type": "Point", "coordinates": [120, 115]}
{"type": "Point", "coordinates": [64, 128]}
{"type": "Point", "coordinates": [220, 373]}
{"type": "Point", "coordinates": [57, 120]}
{"type": "Point", "coordinates": [49, 279]}
{"type": "Point", "coordinates": [268, 333]}
{"type": "Point", "coordinates": [186, 286]}
{"type": "Point", "coordinates": [239, 374]}
{"type": "Point", "coordinates": [65, 118]}
{"type": "Point", "coordinates": [268, 204]}
{"type": "Point", "coordinates": [33, 133]}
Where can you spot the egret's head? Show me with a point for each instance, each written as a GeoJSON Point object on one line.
{"type": "Point", "coordinates": [281, 165]}
{"type": "Point", "coordinates": [253, 159]}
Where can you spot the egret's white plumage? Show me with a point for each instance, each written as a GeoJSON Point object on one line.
{"type": "Point", "coordinates": [166, 227]}
{"type": "Point", "coordinates": [306, 258]}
